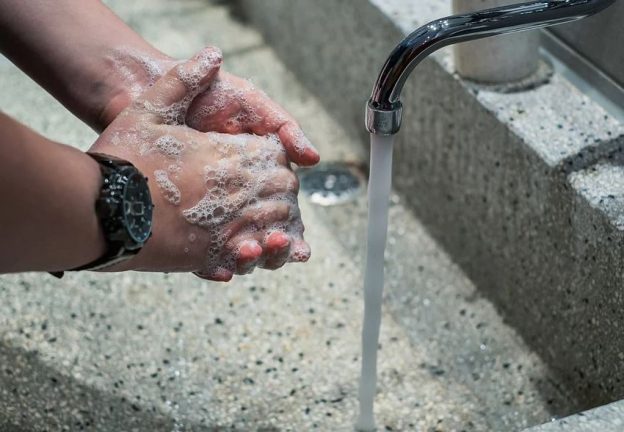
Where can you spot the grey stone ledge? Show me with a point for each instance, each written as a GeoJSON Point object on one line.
{"type": "Point", "coordinates": [603, 187]}
{"type": "Point", "coordinates": [505, 244]}
{"type": "Point", "coordinates": [516, 186]}
{"type": "Point", "coordinates": [274, 351]}
{"type": "Point", "coordinates": [555, 119]}
{"type": "Point", "coordinates": [608, 418]}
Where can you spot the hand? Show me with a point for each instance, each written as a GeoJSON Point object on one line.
{"type": "Point", "coordinates": [233, 105]}
{"type": "Point", "coordinates": [224, 204]}
{"type": "Point", "coordinates": [230, 105]}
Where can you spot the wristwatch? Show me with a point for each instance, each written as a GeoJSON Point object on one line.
{"type": "Point", "coordinates": [124, 209]}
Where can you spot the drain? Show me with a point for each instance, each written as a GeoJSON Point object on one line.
{"type": "Point", "coordinates": [331, 183]}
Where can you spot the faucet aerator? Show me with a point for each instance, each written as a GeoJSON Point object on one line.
{"type": "Point", "coordinates": [385, 122]}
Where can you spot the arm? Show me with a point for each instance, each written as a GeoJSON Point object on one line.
{"type": "Point", "coordinates": [92, 62]}
{"type": "Point", "coordinates": [47, 220]}
{"type": "Point", "coordinates": [223, 204]}
{"type": "Point", "coordinates": [68, 47]}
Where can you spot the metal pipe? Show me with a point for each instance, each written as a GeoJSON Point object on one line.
{"type": "Point", "coordinates": [384, 109]}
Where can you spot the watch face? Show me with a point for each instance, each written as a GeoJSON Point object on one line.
{"type": "Point", "coordinates": [137, 208]}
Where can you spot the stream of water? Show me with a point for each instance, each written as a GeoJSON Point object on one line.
{"type": "Point", "coordinates": [379, 185]}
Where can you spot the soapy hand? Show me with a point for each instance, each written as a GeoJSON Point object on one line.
{"type": "Point", "coordinates": [229, 105]}
{"type": "Point", "coordinates": [233, 105]}
{"type": "Point", "coordinates": [224, 203]}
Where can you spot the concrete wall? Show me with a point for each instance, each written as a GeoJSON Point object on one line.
{"type": "Point", "coordinates": [489, 174]}
{"type": "Point", "coordinates": [599, 39]}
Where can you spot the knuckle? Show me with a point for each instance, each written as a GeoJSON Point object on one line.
{"type": "Point", "coordinates": [293, 182]}
{"type": "Point", "coordinates": [282, 158]}
{"type": "Point", "coordinates": [282, 212]}
{"type": "Point", "coordinates": [278, 212]}
{"type": "Point", "coordinates": [288, 180]}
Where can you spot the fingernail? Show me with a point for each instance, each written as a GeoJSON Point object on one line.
{"type": "Point", "coordinates": [254, 251]}
{"type": "Point", "coordinates": [300, 252]}
{"type": "Point", "coordinates": [208, 58]}
{"type": "Point", "coordinates": [302, 143]}
{"type": "Point", "coordinates": [219, 275]}
{"type": "Point", "coordinates": [306, 149]}
{"type": "Point", "coordinates": [312, 155]}
{"type": "Point", "coordinates": [192, 72]}
{"type": "Point", "coordinates": [278, 240]}
{"type": "Point", "coordinates": [250, 250]}
{"type": "Point", "coordinates": [223, 275]}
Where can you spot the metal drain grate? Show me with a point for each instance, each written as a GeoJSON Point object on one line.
{"type": "Point", "coordinates": [331, 183]}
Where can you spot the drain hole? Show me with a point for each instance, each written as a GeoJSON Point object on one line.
{"type": "Point", "coordinates": [331, 183]}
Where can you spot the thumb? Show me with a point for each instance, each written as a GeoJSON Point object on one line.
{"type": "Point", "coordinates": [169, 98]}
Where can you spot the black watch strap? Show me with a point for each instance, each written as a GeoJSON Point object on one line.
{"type": "Point", "coordinates": [109, 206]}
{"type": "Point", "coordinates": [101, 263]}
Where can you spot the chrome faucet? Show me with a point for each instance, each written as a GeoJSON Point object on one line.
{"type": "Point", "coordinates": [384, 109]}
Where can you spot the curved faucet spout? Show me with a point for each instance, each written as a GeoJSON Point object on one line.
{"type": "Point", "coordinates": [384, 108]}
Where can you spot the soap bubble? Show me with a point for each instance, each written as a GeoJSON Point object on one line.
{"type": "Point", "coordinates": [168, 188]}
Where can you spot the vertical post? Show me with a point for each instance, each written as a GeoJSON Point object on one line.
{"type": "Point", "coordinates": [499, 60]}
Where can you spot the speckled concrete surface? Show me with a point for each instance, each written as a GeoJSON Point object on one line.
{"type": "Point", "coordinates": [487, 173]}
{"type": "Point", "coordinates": [270, 352]}
{"type": "Point", "coordinates": [603, 187]}
{"type": "Point", "coordinates": [608, 418]}
{"type": "Point", "coordinates": [557, 121]}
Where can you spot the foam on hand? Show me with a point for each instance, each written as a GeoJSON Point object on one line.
{"type": "Point", "coordinates": [230, 197]}
{"type": "Point", "coordinates": [225, 97]}
{"type": "Point", "coordinates": [136, 69]}
{"type": "Point", "coordinates": [241, 171]}
{"type": "Point", "coordinates": [169, 190]}
{"type": "Point", "coordinates": [169, 146]}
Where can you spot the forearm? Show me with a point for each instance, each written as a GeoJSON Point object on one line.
{"type": "Point", "coordinates": [48, 193]}
{"type": "Point", "coordinates": [68, 47]}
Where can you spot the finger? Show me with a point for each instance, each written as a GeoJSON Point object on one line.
{"type": "Point", "coordinates": [215, 112]}
{"type": "Point", "coordinates": [284, 181]}
{"type": "Point", "coordinates": [267, 213]}
{"type": "Point", "coordinates": [178, 87]}
{"type": "Point", "coordinates": [299, 252]}
{"type": "Point", "coordinates": [272, 118]}
{"type": "Point", "coordinates": [299, 148]}
{"type": "Point", "coordinates": [255, 218]}
{"type": "Point", "coordinates": [276, 250]}
{"type": "Point", "coordinates": [249, 254]}
{"type": "Point", "coordinates": [254, 112]}
{"type": "Point", "coordinates": [220, 274]}
{"type": "Point", "coordinates": [248, 251]}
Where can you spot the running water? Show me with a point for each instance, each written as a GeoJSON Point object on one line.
{"type": "Point", "coordinates": [378, 196]}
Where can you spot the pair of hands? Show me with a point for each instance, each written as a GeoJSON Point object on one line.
{"type": "Point", "coordinates": [217, 153]}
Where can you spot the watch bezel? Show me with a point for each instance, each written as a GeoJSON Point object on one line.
{"type": "Point", "coordinates": [148, 207]}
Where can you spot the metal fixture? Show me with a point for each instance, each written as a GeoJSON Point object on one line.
{"type": "Point", "coordinates": [507, 59]}
{"type": "Point", "coordinates": [583, 74]}
{"type": "Point", "coordinates": [384, 109]}
{"type": "Point", "coordinates": [331, 183]}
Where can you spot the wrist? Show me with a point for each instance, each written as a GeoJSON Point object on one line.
{"type": "Point", "coordinates": [81, 75]}
{"type": "Point", "coordinates": [90, 242]}
{"type": "Point", "coordinates": [123, 211]}
{"type": "Point", "coordinates": [52, 189]}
